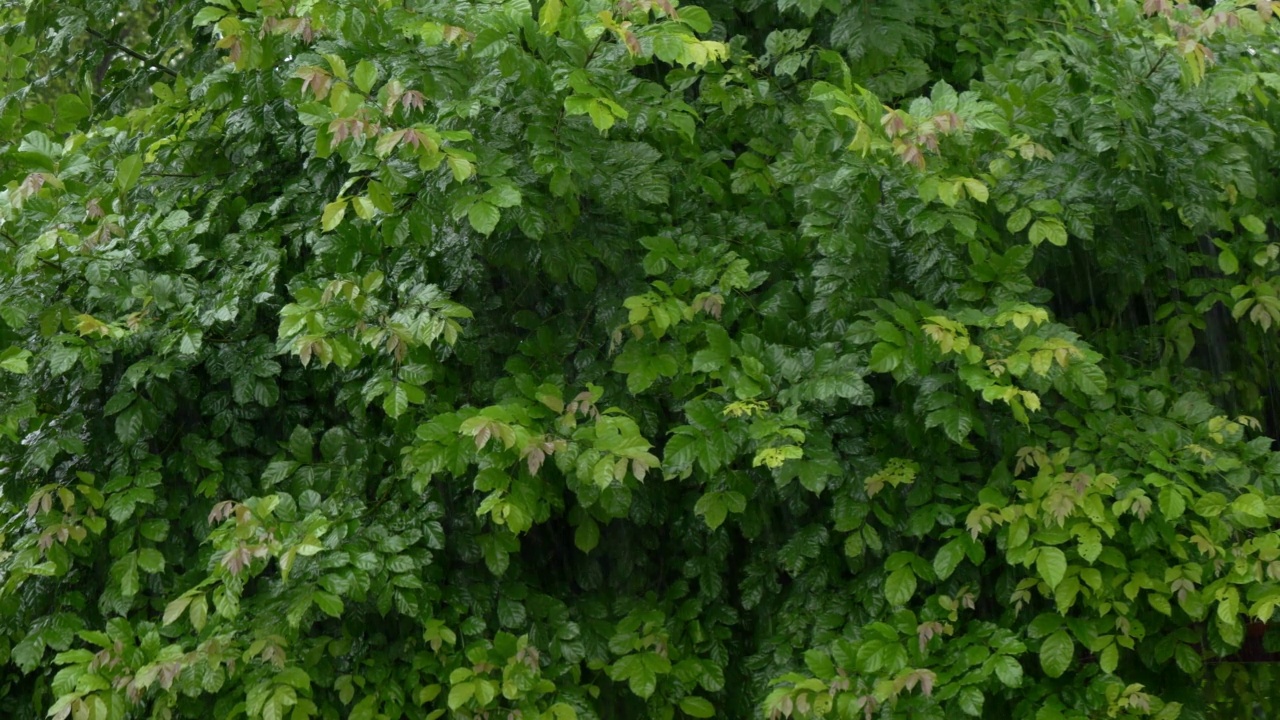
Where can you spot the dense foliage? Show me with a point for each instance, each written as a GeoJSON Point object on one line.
{"type": "Point", "coordinates": [587, 359]}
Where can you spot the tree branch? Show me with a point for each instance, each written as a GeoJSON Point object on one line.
{"type": "Point", "coordinates": [132, 53]}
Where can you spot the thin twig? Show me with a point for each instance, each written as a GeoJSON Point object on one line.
{"type": "Point", "coordinates": [1163, 54]}
{"type": "Point", "coordinates": [132, 53]}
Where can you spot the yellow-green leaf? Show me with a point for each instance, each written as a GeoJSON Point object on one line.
{"type": "Point", "coordinates": [549, 16]}
{"type": "Point", "coordinates": [976, 189]}
{"type": "Point", "coordinates": [333, 214]}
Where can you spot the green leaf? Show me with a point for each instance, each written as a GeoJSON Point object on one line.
{"type": "Point", "coordinates": [127, 172]}
{"type": "Point", "coordinates": [328, 603]}
{"type": "Point", "coordinates": [587, 535]}
{"type": "Point", "coordinates": [712, 508]}
{"type": "Point", "coordinates": [1252, 224]}
{"type": "Point", "coordinates": [1056, 653]}
{"type": "Point", "coordinates": [1227, 262]}
{"type": "Point", "coordinates": [338, 65]}
{"type": "Point", "coordinates": [128, 567]}
{"type": "Point", "coordinates": [175, 609]}
{"type": "Point", "coordinates": [483, 217]}
{"type": "Point", "coordinates": [948, 559]}
{"type": "Point", "coordinates": [1089, 379]}
{"type": "Point", "coordinates": [1172, 503]}
{"type": "Point", "coordinates": [976, 189]}
{"type": "Point", "coordinates": [1008, 670]}
{"type": "Point", "coordinates": [1188, 660]}
{"type": "Point", "coordinates": [1109, 658]}
{"type": "Point", "coordinates": [1019, 220]}
{"type": "Point", "coordinates": [884, 358]}
{"type": "Point", "coordinates": [208, 14]}
{"type": "Point", "coordinates": [971, 701]}
{"type": "Point", "coordinates": [549, 16]}
{"type": "Point", "coordinates": [668, 47]}
{"type": "Point", "coordinates": [600, 114]}
{"type": "Point", "coordinates": [1050, 229]}
{"type": "Point", "coordinates": [696, 18]}
{"type": "Point", "coordinates": [396, 401]}
{"type": "Point", "coordinates": [1051, 564]}
{"type": "Point", "coordinates": [71, 110]}
{"type": "Point", "coordinates": [14, 359]}
{"type": "Point", "coordinates": [365, 75]}
{"type": "Point", "coordinates": [460, 694]}
{"type": "Point", "coordinates": [150, 560]}
{"type": "Point", "coordinates": [333, 214]}
{"type": "Point", "coordinates": [697, 707]}
{"type": "Point", "coordinates": [900, 586]}
{"type": "Point", "coordinates": [504, 196]}
{"type": "Point", "coordinates": [641, 671]}
{"type": "Point", "coordinates": [1250, 505]}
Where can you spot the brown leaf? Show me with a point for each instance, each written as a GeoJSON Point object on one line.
{"type": "Point", "coordinates": [32, 184]}
{"type": "Point", "coordinates": [535, 458]}
{"type": "Point", "coordinates": [482, 435]}
{"type": "Point", "coordinates": [235, 561]}
{"type": "Point", "coordinates": [340, 129]}
{"type": "Point", "coordinates": [1154, 7]}
{"type": "Point", "coordinates": [221, 511]}
{"type": "Point", "coordinates": [911, 155]}
{"type": "Point", "coordinates": [412, 99]}
{"type": "Point", "coordinates": [926, 682]}
{"type": "Point", "coordinates": [893, 123]}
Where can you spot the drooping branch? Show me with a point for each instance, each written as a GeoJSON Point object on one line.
{"type": "Point", "coordinates": [133, 53]}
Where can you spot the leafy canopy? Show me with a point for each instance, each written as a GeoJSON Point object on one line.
{"type": "Point", "coordinates": [580, 359]}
